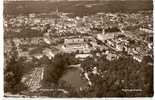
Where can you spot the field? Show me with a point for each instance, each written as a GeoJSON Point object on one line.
{"type": "Point", "coordinates": [77, 8]}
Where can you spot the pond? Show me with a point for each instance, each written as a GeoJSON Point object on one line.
{"type": "Point", "coordinates": [72, 76]}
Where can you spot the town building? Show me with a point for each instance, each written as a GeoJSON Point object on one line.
{"type": "Point", "coordinates": [74, 45]}
{"type": "Point", "coordinates": [83, 56]}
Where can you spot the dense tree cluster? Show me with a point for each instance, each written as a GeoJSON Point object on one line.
{"type": "Point", "coordinates": [113, 77]}
{"type": "Point", "coordinates": [113, 29]}
{"type": "Point", "coordinates": [13, 73]}
{"type": "Point", "coordinates": [124, 73]}
{"type": "Point", "coordinates": [57, 67]}
{"type": "Point", "coordinates": [12, 77]}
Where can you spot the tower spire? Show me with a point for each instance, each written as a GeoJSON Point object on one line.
{"type": "Point", "coordinates": [57, 12]}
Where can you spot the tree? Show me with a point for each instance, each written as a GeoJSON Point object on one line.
{"type": "Point", "coordinates": [13, 72]}
{"type": "Point", "coordinates": [14, 52]}
{"type": "Point", "coordinates": [116, 75]}
{"type": "Point", "coordinates": [12, 77]}
{"type": "Point", "coordinates": [146, 72]}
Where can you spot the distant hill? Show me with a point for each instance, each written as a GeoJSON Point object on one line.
{"type": "Point", "coordinates": [79, 8]}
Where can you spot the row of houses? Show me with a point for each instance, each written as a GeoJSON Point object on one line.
{"type": "Point", "coordinates": [28, 41]}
